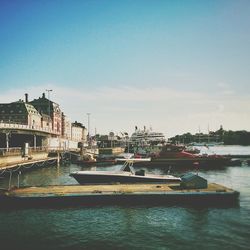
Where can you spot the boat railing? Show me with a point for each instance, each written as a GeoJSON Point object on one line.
{"type": "Point", "coordinates": [133, 159]}
{"type": "Point", "coordinates": [128, 166]}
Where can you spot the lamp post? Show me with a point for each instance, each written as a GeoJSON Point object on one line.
{"type": "Point", "coordinates": [7, 141]}
{"type": "Point", "coordinates": [88, 114]}
{"type": "Point", "coordinates": [49, 90]}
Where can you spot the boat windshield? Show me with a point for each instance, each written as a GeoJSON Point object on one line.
{"type": "Point", "coordinates": [128, 166]}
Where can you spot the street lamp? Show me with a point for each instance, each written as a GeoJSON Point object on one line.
{"type": "Point", "coordinates": [88, 114]}
{"type": "Point", "coordinates": [49, 90]}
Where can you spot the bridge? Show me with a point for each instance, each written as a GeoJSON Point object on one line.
{"type": "Point", "coordinates": [21, 128]}
{"type": "Point", "coordinates": [8, 130]}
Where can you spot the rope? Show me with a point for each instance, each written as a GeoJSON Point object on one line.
{"type": "Point", "coordinates": [3, 171]}
{"type": "Point", "coordinates": [10, 180]}
{"type": "Point", "coordinates": [19, 166]}
{"type": "Point", "coordinates": [54, 161]}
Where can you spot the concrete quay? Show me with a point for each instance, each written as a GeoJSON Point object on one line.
{"type": "Point", "coordinates": [13, 161]}
{"type": "Point", "coordinates": [9, 160]}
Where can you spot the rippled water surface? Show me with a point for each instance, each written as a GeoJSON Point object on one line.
{"type": "Point", "coordinates": [130, 227]}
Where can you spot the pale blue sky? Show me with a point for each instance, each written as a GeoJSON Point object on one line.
{"type": "Point", "coordinates": [173, 65]}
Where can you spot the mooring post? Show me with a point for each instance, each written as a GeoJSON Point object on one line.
{"type": "Point", "coordinates": [7, 141]}
{"type": "Point", "coordinates": [18, 179]}
{"type": "Point", "coordinates": [58, 159]}
{"type": "Point", "coordinates": [10, 179]}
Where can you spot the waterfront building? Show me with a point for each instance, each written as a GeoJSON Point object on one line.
{"type": "Point", "coordinates": [52, 110]}
{"type": "Point", "coordinates": [17, 121]}
{"type": "Point", "coordinates": [66, 127]}
{"type": "Point", "coordinates": [78, 132]}
{"type": "Point", "coordinates": [39, 123]}
{"type": "Point", "coordinates": [20, 112]}
{"type": "Point", "coordinates": [46, 122]}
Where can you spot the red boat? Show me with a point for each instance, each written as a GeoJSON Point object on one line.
{"type": "Point", "coordinates": [175, 155]}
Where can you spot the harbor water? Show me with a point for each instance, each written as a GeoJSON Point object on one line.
{"type": "Point", "coordinates": [129, 227]}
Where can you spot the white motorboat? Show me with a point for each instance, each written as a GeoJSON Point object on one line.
{"type": "Point", "coordinates": [126, 174]}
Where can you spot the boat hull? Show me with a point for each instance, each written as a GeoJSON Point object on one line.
{"type": "Point", "coordinates": [101, 179]}
{"type": "Point", "coordinates": [93, 163]}
{"type": "Point", "coordinates": [192, 163]}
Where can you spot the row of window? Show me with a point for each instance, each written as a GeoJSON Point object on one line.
{"type": "Point", "coordinates": [18, 121]}
{"type": "Point", "coordinates": [12, 111]}
{"type": "Point", "coordinates": [3, 117]}
{"type": "Point", "coordinates": [19, 111]}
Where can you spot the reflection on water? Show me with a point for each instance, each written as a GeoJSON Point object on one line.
{"type": "Point", "coordinates": [225, 150]}
{"type": "Point", "coordinates": [126, 227]}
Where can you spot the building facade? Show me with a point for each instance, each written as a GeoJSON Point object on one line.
{"type": "Point", "coordinates": [51, 111]}
{"type": "Point", "coordinates": [20, 113]}
{"type": "Point", "coordinates": [43, 116]}
{"type": "Point", "coordinates": [78, 132]}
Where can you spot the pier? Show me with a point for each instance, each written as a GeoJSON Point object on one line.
{"type": "Point", "coordinates": [129, 194]}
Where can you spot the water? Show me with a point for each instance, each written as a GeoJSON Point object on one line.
{"type": "Point", "coordinates": [130, 227]}
{"type": "Point", "coordinates": [225, 150]}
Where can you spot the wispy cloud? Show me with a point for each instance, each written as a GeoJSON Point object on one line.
{"type": "Point", "coordinates": [163, 108]}
{"type": "Point", "coordinates": [225, 88]}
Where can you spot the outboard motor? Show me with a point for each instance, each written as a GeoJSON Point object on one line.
{"type": "Point", "coordinates": [140, 172]}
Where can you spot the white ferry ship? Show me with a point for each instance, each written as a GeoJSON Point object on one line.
{"type": "Point", "coordinates": [147, 137]}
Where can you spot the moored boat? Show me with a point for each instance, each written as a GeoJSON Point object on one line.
{"type": "Point", "coordinates": [96, 162]}
{"type": "Point", "coordinates": [123, 160]}
{"type": "Point", "coordinates": [90, 159]}
{"type": "Point", "coordinates": [175, 155]}
{"type": "Point", "coordinates": [146, 137]}
{"type": "Point", "coordinates": [126, 174]}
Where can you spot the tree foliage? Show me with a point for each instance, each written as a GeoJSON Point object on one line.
{"type": "Point", "coordinates": [229, 137]}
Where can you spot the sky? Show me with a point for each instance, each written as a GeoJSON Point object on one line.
{"type": "Point", "coordinates": [173, 66]}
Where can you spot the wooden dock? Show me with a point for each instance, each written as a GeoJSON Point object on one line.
{"type": "Point", "coordinates": [124, 194]}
